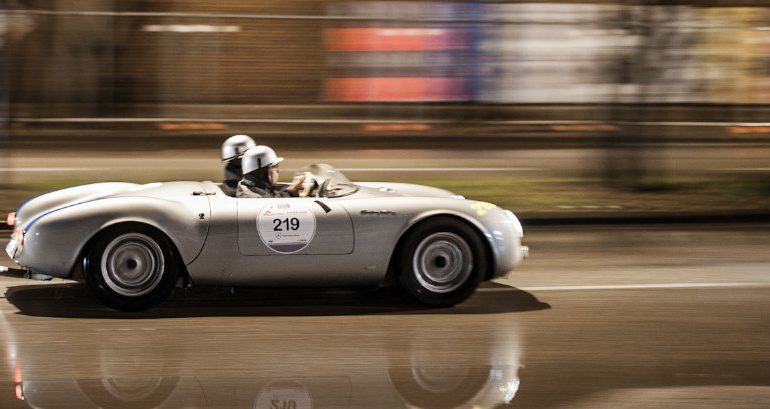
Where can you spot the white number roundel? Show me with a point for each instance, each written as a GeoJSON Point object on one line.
{"type": "Point", "coordinates": [286, 227]}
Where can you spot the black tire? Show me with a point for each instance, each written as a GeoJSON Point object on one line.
{"type": "Point", "coordinates": [131, 267]}
{"type": "Point", "coordinates": [442, 261]}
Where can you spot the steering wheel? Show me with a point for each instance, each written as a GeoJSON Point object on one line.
{"type": "Point", "coordinates": [308, 186]}
{"type": "Point", "coordinates": [322, 190]}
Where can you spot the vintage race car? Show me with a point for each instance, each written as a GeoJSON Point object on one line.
{"type": "Point", "coordinates": [133, 243]}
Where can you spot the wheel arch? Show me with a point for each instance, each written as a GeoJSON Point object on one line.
{"type": "Point", "coordinates": [54, 240]}
{"type": "Point", "coordinates": [78, 270]}
{"type": "Point", "coordinates": [392, 272]}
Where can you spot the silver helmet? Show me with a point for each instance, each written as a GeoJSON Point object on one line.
{"type": "Point", "coordinates": [259, 157]}
{"type": "Point", "coordinates": [235, 146]}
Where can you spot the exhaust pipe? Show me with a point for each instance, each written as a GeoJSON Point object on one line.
{"type": "Point", "coordinates": [23, 273]}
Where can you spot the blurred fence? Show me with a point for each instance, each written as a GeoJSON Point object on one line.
{"type": "Point", "coordinates": [382, 59]}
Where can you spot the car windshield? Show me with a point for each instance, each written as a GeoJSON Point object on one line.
{"type": "Point", "coordinates": [332, 181]}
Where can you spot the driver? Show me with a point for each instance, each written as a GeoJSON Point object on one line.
{"type": "Point", "coordinates": [260, 175]}
{"type": "Point", "coordinates": [232, 150]}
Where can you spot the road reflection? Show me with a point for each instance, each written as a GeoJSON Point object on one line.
{"type": "Point", "coordinates": [387, 360]}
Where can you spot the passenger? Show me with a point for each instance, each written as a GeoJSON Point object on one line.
{"type": "Point", "coordinates": [260, 175]}
{"type": "Point", "coordinates": [232, 150]}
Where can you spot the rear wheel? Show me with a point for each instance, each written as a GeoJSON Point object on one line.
{"type": "Point", "coordinates": [131, 267]}
{"type": "Point", "coordinates": [442, 262]}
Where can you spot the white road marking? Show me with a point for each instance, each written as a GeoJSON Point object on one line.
{"type": "Point", "coordinates": [656, 286]}
{"type": "Point", "coordinates": [437, 169]}
{"type": "Point", "coordinates": [747, 169]}
{"type": "Point", "coordinates": [47, 169]}
{"type": "Point", "coordinates": [190, 28]}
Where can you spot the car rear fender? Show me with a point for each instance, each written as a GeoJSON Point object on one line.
{"type": "Point", "coordinates": [64, 197]}
{"type": "Point", "coordinates": [54, 241]}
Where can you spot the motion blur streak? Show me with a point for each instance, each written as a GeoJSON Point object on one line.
{"type": "Point", "coordinates": [127, 57]}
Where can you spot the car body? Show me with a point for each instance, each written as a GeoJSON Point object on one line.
{"type": "Point", "coordinates": [346, 235]}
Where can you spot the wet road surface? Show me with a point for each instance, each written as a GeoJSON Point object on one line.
{"type": "Point", "coordinates": [597, 317]}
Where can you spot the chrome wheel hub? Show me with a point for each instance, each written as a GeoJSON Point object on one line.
{"type": "Point", "coordinates": [132, 264]}
{"type": "Point", "coordinates": [442, 262]}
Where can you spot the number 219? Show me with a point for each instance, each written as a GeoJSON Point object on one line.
{"type": "Point", "coordinates": [285, 224]}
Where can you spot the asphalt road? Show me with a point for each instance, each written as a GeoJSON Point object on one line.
{"type": "Point", "coordinates": [674, 317]}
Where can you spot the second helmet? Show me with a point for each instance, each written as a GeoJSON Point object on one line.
{"type": "Point", "coordinates": [259, 157]}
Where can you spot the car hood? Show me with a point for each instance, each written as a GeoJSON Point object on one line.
{"type": "Point", "coordinates": [390, 189]}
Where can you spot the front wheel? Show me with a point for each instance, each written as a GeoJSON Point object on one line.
{"type": "Point", "coordinates": [442, 262]}
{"type": "Point", "coordinates": [131, 267]}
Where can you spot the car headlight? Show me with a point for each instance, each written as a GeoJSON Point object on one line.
{"type": "Point", "coordinates": [516, 223]}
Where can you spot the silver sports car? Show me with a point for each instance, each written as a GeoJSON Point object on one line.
{"type": "Point", "coordinates": [133, 243]}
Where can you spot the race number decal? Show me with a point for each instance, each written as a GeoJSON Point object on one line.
{"type": "Point", "coordinates": [286, 227]}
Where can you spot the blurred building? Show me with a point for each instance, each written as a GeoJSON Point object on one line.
{"type": "Point", "coordinates": [99, 58]}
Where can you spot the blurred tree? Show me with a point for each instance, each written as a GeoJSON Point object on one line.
{"type": "Point", "coordinates": [6, 26]}
{"type": "Point", "coordinates": [629, 150]}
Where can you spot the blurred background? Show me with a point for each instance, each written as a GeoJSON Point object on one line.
{"type": "Point", "coordinates": [550, 108]}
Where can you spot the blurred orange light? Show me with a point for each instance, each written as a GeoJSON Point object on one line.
{"type": "Point", "coordinates": [192, 126]}
{"type": "Point", "coordinates": [396, 127]}
{"type": "Point", "coordinates": [749, 130]}
{"type": "Point", "coordinates": [584, 128]}
{"type": "Point", "coordinates": [11, 219]}
{"type": "Point", "coordinates": [396, 89]}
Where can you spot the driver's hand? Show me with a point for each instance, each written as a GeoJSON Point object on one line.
{"type": "Point", "coordinates": [296, 185]}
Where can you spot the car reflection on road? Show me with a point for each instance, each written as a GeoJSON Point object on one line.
{"type": "Point", "coordinates": [125, 364]}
